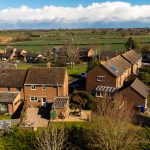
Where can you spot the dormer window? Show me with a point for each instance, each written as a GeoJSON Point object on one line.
{"type": "Point", "coordinates": [43, 87]}
{"type": "Point", "coordinates": [33, 87]}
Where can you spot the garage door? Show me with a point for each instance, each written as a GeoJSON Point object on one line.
{"type": "Point", "coordinates": [3, 108]}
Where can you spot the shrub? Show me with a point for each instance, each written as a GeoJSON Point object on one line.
{"type": "Point", "coordinates": [83, 99]}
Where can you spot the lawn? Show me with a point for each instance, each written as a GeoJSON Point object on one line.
{"type": "Point", "coordinates": [77, 69]}
{"type": "Point", "coordinates": [40, 39]}
{"type": "Point", "coordinates": [5, 117]}
{"type": "Point", "coordinates": [25, 66]}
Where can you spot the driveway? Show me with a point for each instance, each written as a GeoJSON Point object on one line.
{"type": "Point", "coordinates": [35, 119]}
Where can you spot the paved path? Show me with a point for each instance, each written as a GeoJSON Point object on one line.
{"type": "Point", "coordinates": [34, 119]}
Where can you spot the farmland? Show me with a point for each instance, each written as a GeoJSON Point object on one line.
{"type": "Point", "coordinates": [40, 40]}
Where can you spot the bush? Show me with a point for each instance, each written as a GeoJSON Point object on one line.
{"type": "Point", "coordinates": [76, 139]}
{"type": "Point", "coordinates": [18, 139]}
{"type": "Point", "coordinates": [146, 144]}
{"type": "Point", "coordinates": [83, 99]}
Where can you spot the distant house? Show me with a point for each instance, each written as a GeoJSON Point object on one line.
{"type": "Point", "coordinates": [43, 85]}
{"type": "Point", "coordinates": [1, 53]}
{"type": "Point", "coordinates": [106, 55]}
{"type": "Point", "coordinates": [11, 89]}
{"type": "Point", "coordinates": [108, 76]}
{"type": "Point", "coordinates": [33, 57]}
{"type": "Point", "coordinates": [9, 53]}
{"type": "Point", "coordinates": [57, 51]}
{"type": "Point", "coordinates": [86, 54]}
{"type": "Point", "coordinates": [133, 58]}
{"type": "Point", "coordinates": [135, 96]}
{"type": "Point", "coordinates": [20, 54]}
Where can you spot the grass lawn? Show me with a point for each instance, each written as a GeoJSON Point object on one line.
{"type": "Point", "coordinates": [28, 65]}
{"type": "Point", "coordinates": [69, 124]}
{"type": "Point", "coordinates": [78, 69]}
{"type": "Point", "coordinates": [5, 117]}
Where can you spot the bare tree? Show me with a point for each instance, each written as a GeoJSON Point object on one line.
{"type": "Point", "coordinates": [51, 138]}
{"type": "Point", "coordinates": [111, 129]}
{"type": "Point", "coordinates": [71, 49]}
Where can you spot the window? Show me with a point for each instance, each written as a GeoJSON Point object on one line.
{"type": "Point", "coordinates": [43, 87]}
{"type": "Point", "coordinates": [33, 87]}
{"type": "Point", "coordinates": [100, 78]}
{"type": "Point", "coordinates": [34, 99]}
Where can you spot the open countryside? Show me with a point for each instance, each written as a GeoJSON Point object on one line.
{"type": "Point", "coordinates": [38, 41]}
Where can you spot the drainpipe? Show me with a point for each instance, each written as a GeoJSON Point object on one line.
{"type": "Point", "coordinates": [57, 89]}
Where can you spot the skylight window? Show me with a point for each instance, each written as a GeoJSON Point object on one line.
{"type": "Point", "coordinates": [114, 69]}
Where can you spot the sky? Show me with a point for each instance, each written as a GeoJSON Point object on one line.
{"type": "Point", "coordinates": [54, 14]}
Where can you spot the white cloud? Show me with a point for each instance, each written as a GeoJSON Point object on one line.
{"type": "Point", "coordinates": [96, 12]}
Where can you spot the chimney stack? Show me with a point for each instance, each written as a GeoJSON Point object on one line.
{"type": "Point", "coordinates": [48, 65]}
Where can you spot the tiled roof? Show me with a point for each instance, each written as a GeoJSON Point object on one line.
{"type": "Point", "coordinates": [12, 77]}
{"type": "Point", "coordinates": [131, 56]}
{"type": "Point", "coordinates": [52, 76]}
{"type": "Point", "coordinates": [117, 65]}
{"type": "Point", "coordinates": [60, 102]}
{"type": "Point", "coordinates": [7, 97]}
{"type": "Point", "coordinates": [140, 88]}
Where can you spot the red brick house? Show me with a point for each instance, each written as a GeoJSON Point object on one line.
{"type": "Point", "coordinates": [108, 75]}
{"type": "Point", "coordinates": [134, 96]}
{"type": "Point", "coordinates": [86, 54]}
{"type": "Point", "coordinates": [11, 89]}
{"type": "Point", "coordinates": [43, 85]}
{"type": "Point", "coordinates": [133, 58]}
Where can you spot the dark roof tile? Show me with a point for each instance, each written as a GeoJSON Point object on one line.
{"type": "Point", "coordinates": [140, 88]}
{"type": "Point", "coordinates": [131, 56]}
{"type": "Point", "coordinates": [51, 75]}
{"type": "Point", "coordinates": [12, 77]}
{"type": "Point", "coordinates": [117, 65]}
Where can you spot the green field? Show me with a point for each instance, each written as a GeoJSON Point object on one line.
{"type": "Point", "coordinates": [42, 40]}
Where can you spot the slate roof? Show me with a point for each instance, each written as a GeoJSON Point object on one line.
{"type": "Point", "coordinates": [117, 65]}
{"type": "Point", "coordinates": [60, 102]}
{"type": "Point", "coordinates": [12, 77]}
{"type": "Point", "coordinates": [7, 97]}
{"type": "Point", "coordinates": [131, 56]}
{"type": "Point", "coordinates": [140, 88]}
{"type": "Point", "coordinates": [50, 76]}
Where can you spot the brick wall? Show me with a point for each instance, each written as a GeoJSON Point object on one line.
{"type": "Point", "coordinates": [49, 93]}
{"type": "Point", "coordinates": [4, 89]}
{"type": "Point", "coordinates": [92, 83]}
{"type": "Point", "coordinates": [130, 97]}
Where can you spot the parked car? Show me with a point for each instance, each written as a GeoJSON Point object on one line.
{"type": "Point", "coordinates": [83, 75]}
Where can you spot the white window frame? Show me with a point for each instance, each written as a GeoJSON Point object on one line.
{"type": "Point", "coordinates": [100, 78]}
{"type": "Point", "coordinates": [33, 87]}
{"type": "Point", "coordinates": [34, 97]}
{"type": "Point", "coordinates": [43, 87]}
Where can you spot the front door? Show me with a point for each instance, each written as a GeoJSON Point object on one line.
{"type": "Point", "coordinates": [43, 101]}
